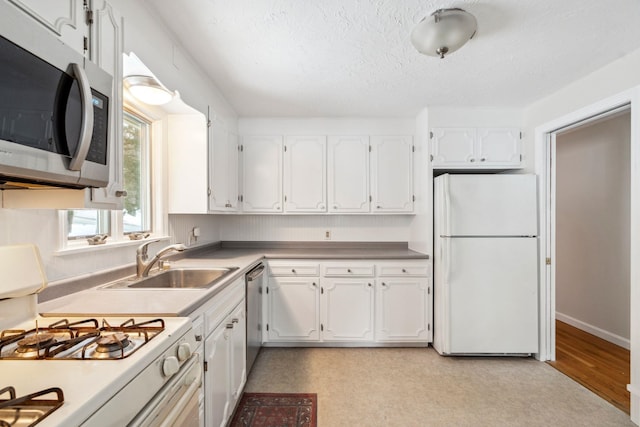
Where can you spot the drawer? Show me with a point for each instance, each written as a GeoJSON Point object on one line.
{"type": "Point", "coordinates": [223, 304]}
{"type": "Point", "coordinates": [348, 270]}
{"type": "Point", "coordinates": [403, 269]}
{"type": "Point", "coordinates": [294, 269]}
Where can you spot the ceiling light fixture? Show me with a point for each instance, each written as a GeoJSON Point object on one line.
{"type": "Point", "coordinates": [147, 89]}
{"type": "Point", "coordinates": [444, 32]}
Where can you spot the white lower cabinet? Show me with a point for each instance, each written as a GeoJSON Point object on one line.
{"type": "Point", "coordinates": [293, 309]}
{"type": "Point", "coordinates": [347, 309]}
{"type": "Point", "coordinates": [355, 303]}
{"type": "Point", "coordinates": [223, 322]}
{"type": "Point", "coordinates": [403, 310]}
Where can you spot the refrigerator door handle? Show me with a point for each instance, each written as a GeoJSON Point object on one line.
{"type": "Point", "coordinates": [446, 206]}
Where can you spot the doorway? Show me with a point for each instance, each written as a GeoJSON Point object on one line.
{"type": "Point", "coordinates": [591, 204]}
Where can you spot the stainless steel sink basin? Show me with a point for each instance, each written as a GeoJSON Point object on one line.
{"type": "Point", "coordinates": [183, 278]}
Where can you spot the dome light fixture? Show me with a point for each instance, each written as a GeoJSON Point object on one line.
{"type": "Point", "coordinates": [147, 89]}
{"type": "Point", "coordinates": [443, 32]}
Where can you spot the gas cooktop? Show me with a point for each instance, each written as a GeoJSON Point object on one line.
{"type": "Point", "coordinates": [83, 339]}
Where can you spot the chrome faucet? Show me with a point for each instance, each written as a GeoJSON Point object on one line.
{"type": "Point", "coordinates": [142, 266]}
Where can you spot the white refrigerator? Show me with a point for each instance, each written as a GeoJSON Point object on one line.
{"type": "Point", "coordinates": [485, 264]}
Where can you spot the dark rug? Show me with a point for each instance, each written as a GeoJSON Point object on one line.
{"type": "Point", "coordinates": [276, 410]}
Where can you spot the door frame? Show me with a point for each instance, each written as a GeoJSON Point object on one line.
{"type": "Point", "coordinates": [545, 170]}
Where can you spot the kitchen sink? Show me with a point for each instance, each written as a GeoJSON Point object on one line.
{"type": "Point", "coordinates": [178, 278]}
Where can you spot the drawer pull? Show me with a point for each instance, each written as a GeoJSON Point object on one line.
{"type": "Point", "coordinates": [234, 321]}
{"type": "Point", "coordinates": [369, 284]}
{"type": "Point", "coordinates": [293, 270]}
{"type": "Point", "coordinates": [229, 325]}
{"type": "Point", "coordinates": [198, 337]}
{"type": "Point", "coordinates": [348, 270]}
{"type": "Point", "coordinates": [404, 270]}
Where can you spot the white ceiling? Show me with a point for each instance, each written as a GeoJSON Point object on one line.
{"type": "Point", "coordinates": [332, 58]}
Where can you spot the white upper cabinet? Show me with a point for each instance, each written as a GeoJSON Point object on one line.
{"type": "Point", "coordinates": [348, 174]}
{"type": "Point", "coordinates": [262, 174]}
{"type": "Point", "coordinates": [499, 147]}
{"type": "Point", "coordinates": [67, 19]}
{"type": "Point", "coordinates": [223, 169]}
{"type": "Point", "coordinates": [107, 38]}
{"type": "Point", "coordinates": [476, 148]}
{"type": "Point", "coordinates": [391, 174]}
{"type": "Point", "coordinates": [305, 174]}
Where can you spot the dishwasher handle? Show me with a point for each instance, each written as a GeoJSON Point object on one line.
{"type": "Point", "coordinates": [255, 273]}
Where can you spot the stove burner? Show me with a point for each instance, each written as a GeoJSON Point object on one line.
{"type": "Point", "coordinates": [35, 340]}
{"type": "Point", "coordinates": [112, 342]}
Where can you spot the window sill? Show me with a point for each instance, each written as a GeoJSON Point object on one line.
{"type": "Point", "coordinates": [84, 247]}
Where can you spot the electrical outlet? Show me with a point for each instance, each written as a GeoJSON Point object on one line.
{"type": "Point", "coordinates": [327, 235]}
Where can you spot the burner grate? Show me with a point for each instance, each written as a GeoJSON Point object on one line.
{"type": "Point", "coordinates": [31, 406]}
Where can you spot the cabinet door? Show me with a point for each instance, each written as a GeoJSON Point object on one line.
{"type": "Point", "coordinates": [217, 378]}
{"type": "Point", "coordinates": [293, 309]}
{"type": "Point", "coordinates": [348, 174]}
{"type": "Point", "coordinates": [499, 147]}
{"type": "Point", "coordinates": [223, 168]}
{"type": "Point", "coordinates": [262, 174]}
{"type": "Point", "coordinates": [305, 174]}
{"type": "Point", "coordinates": [392, 173]}
{"type": "Point", "coordinates": [107, 39]}
{"type": "Point", "coordinates": [347, 309]}
{"type": "Point", "coordinates": [403, 310]}
{"type": "Point", "coordinates": [453, 147]}
{"type": "Point", "coordinates": [238, 320]}
{"type": "Point", "coordinates": [64, 18]}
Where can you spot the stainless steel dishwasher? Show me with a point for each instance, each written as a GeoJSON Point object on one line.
{"type": "Point", "coordinates": [253, 280]}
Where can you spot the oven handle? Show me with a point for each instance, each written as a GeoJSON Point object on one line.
{"type": "Point", "coordinates": [86, 131]}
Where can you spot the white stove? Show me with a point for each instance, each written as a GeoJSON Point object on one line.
{"type": "Point", "coordinates": [102, 371]}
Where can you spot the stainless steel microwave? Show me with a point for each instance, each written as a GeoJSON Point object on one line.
{"type": "Point", "coordinates": [54, 113]}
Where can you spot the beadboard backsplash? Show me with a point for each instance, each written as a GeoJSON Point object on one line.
{"type": "Point", "coordinates": [309, 228]}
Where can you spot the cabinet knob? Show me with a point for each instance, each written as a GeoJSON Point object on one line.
{"type": "Point", "coordinates": [472, 160]}
{"type": "Point", "coordinates": [404, 270]}
{"type": "Point", "coordinates": [348, 270]}
{"type": "Point", "coordinates": [121, 193]}
{"type": "Point", "coordinates": [378, 207]}
{"type": "Point", "coordinates": [369, 284]}
{"type": "Point", "coordinates": [384, 284]}
{"type": "Point", "coordinates": [293, 270]}
{"type": "Point", "coordinates": [483, 159]}
{"type": "Point", "coordinates": [314, 284]}
{"type": "Point", "coordinates": [229, 326]}
{"type": "Point", "coordinates": [198, 337]}
{"type": "Point", "coordinates": [335, 207]}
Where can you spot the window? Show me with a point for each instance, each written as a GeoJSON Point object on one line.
{"type": "Point", "coordinates": [137, 204]}
{"type": "Point", "coordinates": [136, 213]}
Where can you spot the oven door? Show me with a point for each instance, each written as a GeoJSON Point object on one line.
{"type": "Point", "coordinates": [176, 404]}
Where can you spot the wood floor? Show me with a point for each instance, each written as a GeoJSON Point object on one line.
{"type": "Point", "coordinates": [599, 365]}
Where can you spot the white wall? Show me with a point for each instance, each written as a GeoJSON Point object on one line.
{"type": "Point", "coordinates": [620, 77]}
{"type": "Point", "coordinates": [592, 228]}
{"type": "Point", "coordinates": [159, 50]}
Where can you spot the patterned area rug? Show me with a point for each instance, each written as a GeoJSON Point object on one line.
{"type": "Point", "coordinates": [276, 410]}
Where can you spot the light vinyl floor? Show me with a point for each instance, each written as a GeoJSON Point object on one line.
{"type": "Point", "coordinates": [417, 387]}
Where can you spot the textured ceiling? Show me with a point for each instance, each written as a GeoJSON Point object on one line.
{"type": "Point", "coordinates": [335, 58]}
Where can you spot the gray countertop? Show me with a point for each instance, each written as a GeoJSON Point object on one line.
{"type": "Point", "coordinates": [98, 301]}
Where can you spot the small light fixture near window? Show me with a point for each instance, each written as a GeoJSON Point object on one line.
{"type": "Point", "coordinates": [147, 89]}
{"type": "Point", "coordinates": [443, 32]}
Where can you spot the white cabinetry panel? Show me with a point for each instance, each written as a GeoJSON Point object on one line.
{"type": "Point", "coordinates": [293, 307]}
{"type": "Point", "coordinates": [305, 174]}
{"type": "Point", "coordinates": [392, 174]}
{"type": "Point", "coordinates": [217, 378]}
{"type": "Point", "coordinates": [476, 148]}
{"type": "Point", "coordinates": [403, 310]}
{"type": "Point", "coordinates": [64, 18]}
{"type": "Point", "coordinates": [347, 309]}
{"type": "Point", "coordinates": [262, 174]}
{"type": "Point", "coordinates": [223, 168]}
{"type": "Point", "coordinates": [348, 174]}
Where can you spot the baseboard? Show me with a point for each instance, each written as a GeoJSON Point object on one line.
{"type": "Point", "coordinates": [594, 330]}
